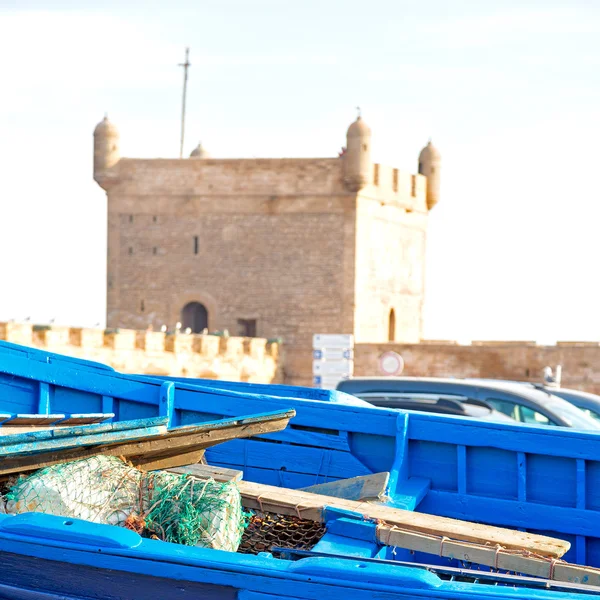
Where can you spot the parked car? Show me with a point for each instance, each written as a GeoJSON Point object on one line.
{"type": "Point", "coordinates": [525, 404]}
{"type": "Point", "coordinates": [584, 401]}
{"type": "Point", "coordinates": [436, 403]}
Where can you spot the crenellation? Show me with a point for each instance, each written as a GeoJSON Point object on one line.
{"type": "Point", "coordinates": [398, 188]}
{"type": "Point", "coordinates": [56, 336]}
{"type": "Point", "coordinates": [179, 343]}
{"type": "Point", "coordinates": [85, 337]}
{"type": "Point", "coordinates": [120, 339]}
{"type": "Point", "coordinates": [150, 341]}
{"type": "Point", "coordinates": [157, 353]}
{"type": "Point", "coordinates": [207, 345]}
{"type": "Point", "coordinates": [19, 333]}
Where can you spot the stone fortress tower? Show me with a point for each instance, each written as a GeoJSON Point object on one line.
{"type": "Point", "coordinates": [268, 247]}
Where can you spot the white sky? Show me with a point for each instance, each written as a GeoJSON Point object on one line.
{"type": "Point", "coordinates": [508, 90]}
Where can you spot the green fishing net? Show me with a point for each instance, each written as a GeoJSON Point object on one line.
{"type": "Point", "coordinates": [103, 489]}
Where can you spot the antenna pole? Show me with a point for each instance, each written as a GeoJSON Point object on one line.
{"type": "Point", "coordinates": [185, 66]}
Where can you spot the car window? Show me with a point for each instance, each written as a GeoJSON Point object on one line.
{"type": "Point", "coordinates": [591, 413]}
{"type": "Point", "coordinates": [528, 415]}
{"type": "Point", "coordinates": [506, 407]}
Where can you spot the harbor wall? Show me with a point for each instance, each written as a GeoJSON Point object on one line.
{"type": "Point", "coordinates": [255, 360]}
{"type": "Point", "coordinates": [261, 361]}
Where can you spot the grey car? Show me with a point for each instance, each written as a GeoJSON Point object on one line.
{"type": "Point", "coordinates": [440, 404]}
{"type": "Point", "coordinates": [584, 401]}
{"type": "Point", "coordinates": [525, 404]}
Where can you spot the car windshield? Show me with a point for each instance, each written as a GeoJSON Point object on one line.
{"type": "Point", "coordinates": [578, 418]}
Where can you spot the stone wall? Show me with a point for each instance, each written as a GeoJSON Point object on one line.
{"type": "Point", "coordinates": [517, 360]}
{"type": "Point", "coordinates": [260, 361]}
{"type": "Point", "coordinates": [155, 353]}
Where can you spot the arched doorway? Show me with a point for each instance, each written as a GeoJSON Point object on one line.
{"type": "Point", "coordinates": [195, 316]}
{"type": "Point", "coordinates": [392, 326]}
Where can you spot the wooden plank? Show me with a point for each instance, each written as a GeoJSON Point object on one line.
{"type": "Point", "coordinates": [365, 487]}
{"type": "Point", "coordinates": [86, 418]}
{"type": "Point", "coordinates": [33, 419]}
{"type": "Point", "coordinates": [497, 557]}
{"type": "Point", "coordinates": [310, 506]}
{"type": "Point", "coordinates": [18, 429]}
{"type": "Point", "coordinates": [170, 444]}
{"type": "Point", "coordinates": [409, 493]}
{"type": "Point", "coordinates": [155, 464]}
{"type": "Point", "coordinates": [93, 440]}
{"type": "Point", "coordinates": [208, 471]}
{"type": "Point", "coordinates": [8, 443]}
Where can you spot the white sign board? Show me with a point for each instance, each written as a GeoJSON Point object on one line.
{"type": "Point", "coordinates": [333, 359]}
{"type": "Point", "coordinates": [333, 340]}
{"type": "Point", "coordinates": [333, 367]}
{"type": "Point", "coordinates": [333, 354]}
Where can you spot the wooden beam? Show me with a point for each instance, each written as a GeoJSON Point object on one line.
{"type": "Point", "coordinates": [365, 487]}
{"type": "Point", "coordinates": [208, 472]}
{"type": "Point", "coordinates": [310, 506]}
{"type": "Point", "coordinates": [178, 444]}
{"type": "Point", "coordinates": [497, 557]}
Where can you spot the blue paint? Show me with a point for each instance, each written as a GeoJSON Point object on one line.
{"type": "Point", "coordinates": [14, 443]}
{"type": "Point", "coordinates": [409, 493]}
{"type": "Point", "coordinates": [44, 398]}
{"type": "Point", "coordinates": [54, 563]}
{"type": "Point", "coordinates": [166, 401]}
{"type": "Point", "coordinates": [542, 480]}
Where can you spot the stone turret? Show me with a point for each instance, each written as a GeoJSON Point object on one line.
{"type": "Point", "coordinates": [106, 150]}
{"type": "Point", "coordinates": [358, 168]}
{"type": "Point", "coordinates": [199, 152]}
{"type": "Point", "coordinates": [430, 163]}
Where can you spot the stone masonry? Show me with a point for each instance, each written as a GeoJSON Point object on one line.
{"type": "Point", "coordinates": [155, 353]}
{"type": "Point", "coordinates": [276, 248]}
{"type": "Point", "coordinates": [518, 360]}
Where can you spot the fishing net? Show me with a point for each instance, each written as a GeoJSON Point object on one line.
{"type": "Point", "coordinates": [268, 530]}
{"type": "Point", "coordinates": [104, 489]}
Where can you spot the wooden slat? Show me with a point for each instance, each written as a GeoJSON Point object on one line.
{"type": "Point", "coordinates": [366, 487]}
{"type": "Point", "coordinates": [310, 506]}
{"type": "Point", "coordinates": [170, 462]}
{"type": "Point", "coordinates": [10, 429]}
{"type": "Point", "coordinates": [208, 471]}
{"type": "Point", "coordinates": [33, 419]}
{"type": "Point", "coordinates": [86, 418]}
{"type": "Point", "coordinates": [176, 444]}
{"type": "Point", "coordinates": [499, 558]}
{"type": "Point", "coordinates": [12, 444]}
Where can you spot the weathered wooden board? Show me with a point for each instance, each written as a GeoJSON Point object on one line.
{"type": "Point", "coordinates": [18, 424]}
{"type": "Point", "coordinates": [172, 448]}
{"type": "Point", "coordinates": [56, 438]}
{"type": "Point", "coordinates": [311, 506]}
{"type": "Point", "coordinates": [208, 471]}
{"type": "Point", "coordinates": [492, 556]}
{"type": "Point", "coordinates": [366, 487]}
{"type": "Point", "coordinates": [33, 419]}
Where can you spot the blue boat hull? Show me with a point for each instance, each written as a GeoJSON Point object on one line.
{"type": "Point", "coordinates": [43, 557]}
{"type": "Point", "coordinates": [543, 480]}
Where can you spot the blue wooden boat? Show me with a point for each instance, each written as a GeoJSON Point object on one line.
{"type": "Point", "coordinates": [47, 557]}
{"type": "Point", "coordinates": [528, 478]}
